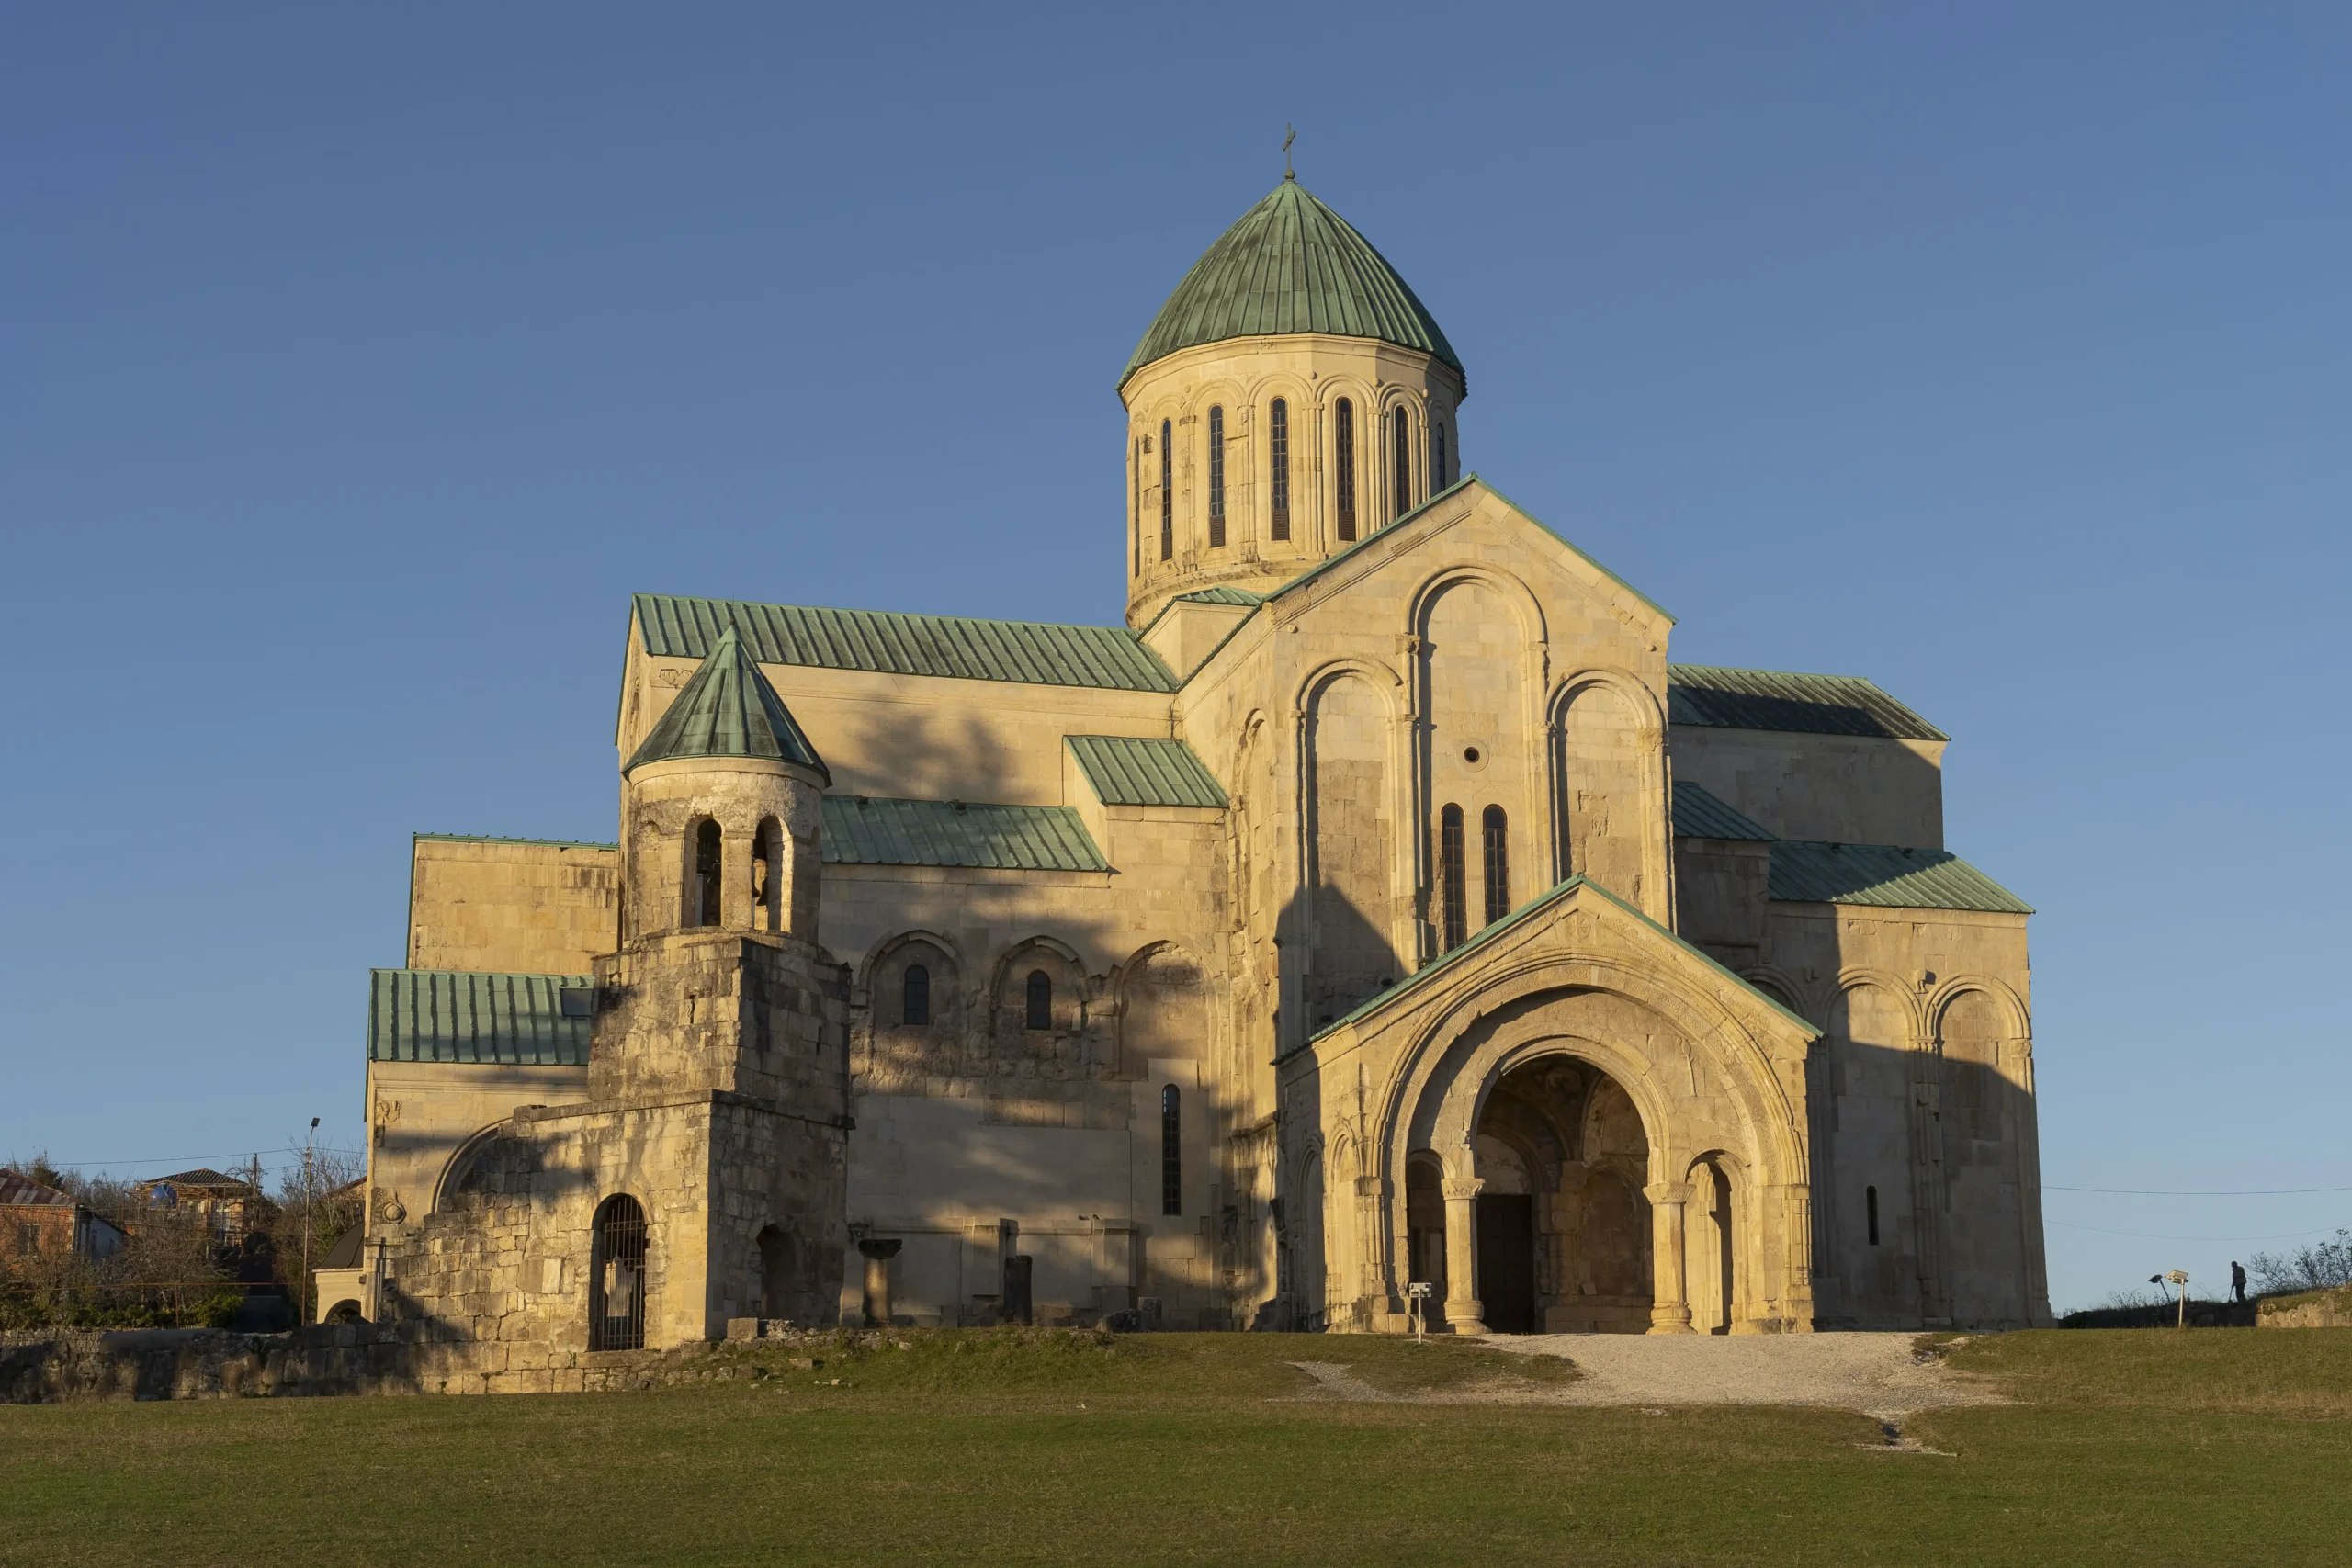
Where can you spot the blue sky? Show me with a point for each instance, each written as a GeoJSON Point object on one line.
{"type": "Point", "coordinates": [358, 366]}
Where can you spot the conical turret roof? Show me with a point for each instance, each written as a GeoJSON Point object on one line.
{"type": "Point", "coordinates": [1291, 264]}
{"type": "Point", "coordinates": [729, 710]}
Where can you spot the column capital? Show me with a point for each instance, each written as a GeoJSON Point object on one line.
{"type": "Point", "coordinates": [1667, 1192]}
{"type": "Point", "coordinates": [1459, 1187]}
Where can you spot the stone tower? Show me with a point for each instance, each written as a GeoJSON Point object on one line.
{"type": "Point", "coordinates": [704, 1177]}
{"type": "Point", "coordinates": [721, 1032]}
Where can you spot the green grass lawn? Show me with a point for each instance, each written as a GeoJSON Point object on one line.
{"type": "Point", "coordinates": [2138, 1448]}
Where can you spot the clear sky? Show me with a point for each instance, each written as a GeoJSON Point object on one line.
{"type": "Point", "coordinates": [357, 364]}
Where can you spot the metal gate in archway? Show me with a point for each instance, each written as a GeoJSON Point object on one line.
{"type": "Point", "coordinates": [616, 1278]}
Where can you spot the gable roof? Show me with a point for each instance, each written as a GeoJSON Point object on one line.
{"type": "Point", "coordinates": [1885, 875]}
{"type": "Point", "coordinates": [1473, 477]}
{"type": "Point", "coordinates": [1291, 264]}
{"type": "Point", "coordinates": [866, 831]}
{"type": "Point", "coordinates": [1714, 696]}
{"type": "Point", "coordinates": [24, 1192]}
{"type": "Point", "coordinates": [1699, 814]}
{"type": "Point", "coordinates": [727, 709]}
{"type": "Point", "coordinates": [479, 1017]}
{"type": "Point", "coordinates": [1128, 771]}
{"type": "Point", "coordinates": [888, 642]}
{"type": "Point", "coordinates": [1521, 916]}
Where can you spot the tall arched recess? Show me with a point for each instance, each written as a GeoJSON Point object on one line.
{"type": "Point", "coordinates": [1982, 1112]}
{"type": "Point", "coordinates": [1605, 774]}
{"type": "Point", "coordinates": [1351, 837]}
{"type": "Point", "coordinates": [1480, 690]}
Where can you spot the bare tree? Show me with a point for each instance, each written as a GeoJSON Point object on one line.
{"type": "Point", "coordinates": [2317, 1266]}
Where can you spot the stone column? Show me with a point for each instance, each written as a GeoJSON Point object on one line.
{"type": "Point", "coordinates": [1465, 1312]}
{"type": "Point", "coordinates": [1669, 1297]}
{"type": "Point", "coordinates": [877, 1256]}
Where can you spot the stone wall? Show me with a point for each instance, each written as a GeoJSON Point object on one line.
{"type": "Point", "coordinates": [517, 907]}
{"type": "Point", "coordinates": [2314, 1309]}
{"type": "Point", "coordinates": [345, 1360]}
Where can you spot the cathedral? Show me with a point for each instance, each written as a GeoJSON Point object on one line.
{"type": "Point", "coordinates": [1377, 928]}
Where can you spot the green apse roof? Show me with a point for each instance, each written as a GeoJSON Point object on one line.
{"type": "Point", "coordinates": [729, 710]}
{"type": "Point", "coordinates": [1291, 264]}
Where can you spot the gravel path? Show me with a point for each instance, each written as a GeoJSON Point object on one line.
{"type": "Point", "coordinates": [1879, 1375]}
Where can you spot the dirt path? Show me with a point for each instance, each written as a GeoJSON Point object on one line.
{"type": "Point", "coordinates": [1879, 1375]}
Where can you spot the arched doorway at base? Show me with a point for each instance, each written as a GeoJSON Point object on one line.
{"type": "Point", "coordinates": [1564, 1227]}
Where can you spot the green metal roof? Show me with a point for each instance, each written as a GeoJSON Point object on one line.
{"type": "Point", "coordinates": [447, 1015]}
{"type": "Point", "coordinates": [1715, 697]}
{"type": "Point", "coordinates": [862, 830]}
{"type": "Point", "coordinates": [1291, 264]}
{"type": "Point", "coordinates": [1699, 814]}
{"type": "Point", "coordinates": [728, 710]}
{"type": "Point", "coordinates": [1038, 653]}
{"type": "Point", "coordinates": [1887, 876]}
{"type": "Point", "coordinates": [1125, 771]}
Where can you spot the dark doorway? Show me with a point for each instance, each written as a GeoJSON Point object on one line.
{"type": "Point", "coordinates": [1507, 1262]}
{"type": "Point", "coordinates": [1018, 1272]}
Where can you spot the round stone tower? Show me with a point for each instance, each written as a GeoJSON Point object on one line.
{"type": "Point", "coordinates": [722, 809]}
{"type": "Point", "coordinates": [1291, 398]}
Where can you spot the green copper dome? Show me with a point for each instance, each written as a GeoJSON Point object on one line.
{"type": "Point", "coordinates": [1292, 264]}
{"type": "Point", "coordinates": [727, 709]}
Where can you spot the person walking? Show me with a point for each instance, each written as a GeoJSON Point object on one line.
{"type": "Point", "coordinates": [2237, 1281]}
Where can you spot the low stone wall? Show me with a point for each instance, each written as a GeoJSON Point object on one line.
{"type": "Point", "coordinates": [42, 1367]}
{"type": "Point", "coordinates": [2314, 1309]}
{"type": "Point", "coordinates": [50, 1367]}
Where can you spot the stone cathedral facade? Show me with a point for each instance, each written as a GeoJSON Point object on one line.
{"type": "Point", "coordinates": [1377, 905]}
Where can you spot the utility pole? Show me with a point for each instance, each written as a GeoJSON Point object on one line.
{"type": "Point", "coordinates": [302, 1294]}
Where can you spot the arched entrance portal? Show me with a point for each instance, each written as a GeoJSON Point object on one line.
{"type": "Point", "coordinates": [1563, 1226]}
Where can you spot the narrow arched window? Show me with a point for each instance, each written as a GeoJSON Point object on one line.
{"type": "Point", "coordinates": [914, 996]}
{"type": "Point", "coordinates": [703, 897]}
{"type": "Point", "coordinates": [1167, 491]}
{"type": "Point", "coordinates": [1437, 456]}
{"type": "Point", "coordinates": [1278, 470]}
{"type": "Point", "coordinates": [1216, 479]}
{"type": "Point", "coordinates": [1135, 505]}
{"type": "Point", "coordinates": [1452, 896]}
{"type": "Point", "coordinates": [1496, 830]}
{"type": "Point", "coordinates": [1171, 1152]}
{"type": "Point", "coordinates": [1402, 447]}
{"type": "Point", "coordinates": [767, 877]}
{"type": "Point", "coordinates": [1041, 999]}
{"type": "Point", "coordinates": [1870, 1204]}
{"type": "Point", "coordinates": [1343, 467]}
{"type": "Point", "coordinates": [616, 1276]}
